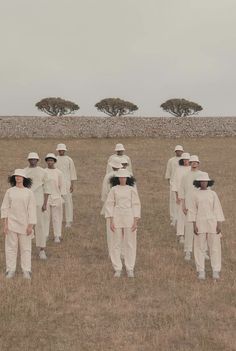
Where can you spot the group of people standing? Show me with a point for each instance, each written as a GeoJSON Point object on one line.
{"type": "Point", "coordinates": [195, 211]}
{"type": "Point", "coordinates": [36, 197]}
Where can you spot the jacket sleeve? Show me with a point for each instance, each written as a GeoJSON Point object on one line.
{"type": "Point", "coordinates": [32, 215]}
{"type": "Point", "coordinates": [130, 166]}
{"type": "Point", "coordinates": [105, 188]}
{"type": "Point", "coordinates": [181, 192]}
{"type": "Point", "coordinates": [174, 183]}
{"type": "Point", "coordinates": [46, 184]}
{"type": "Point", "coordinates": [62, 184]}
{"type": "Point", "coordinates": [73, 175]}
{"type": "Point", "coordinates": [218, 209]}
{"type": "Point", "coordinates": [109, 169]}
{"type": "Point", "coordinates": [136, 205]}
{"type": "Point", "coordinates": [110, 204]}
{"type": "Point", "coordinates": [192, 209]}
{"type": "Point", "coordinates": [5, 205]}
{"type": "Point", "coordinates": [168, 170]}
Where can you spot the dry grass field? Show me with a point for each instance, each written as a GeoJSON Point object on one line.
{"type": "Point", "coordinates": [73, 303]}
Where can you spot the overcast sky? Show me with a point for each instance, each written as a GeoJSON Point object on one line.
{"type": "Point", "coordinates": [144, 51]}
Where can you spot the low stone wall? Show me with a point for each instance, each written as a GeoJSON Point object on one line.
{"type": "Point", "coordinates": [102, 127]}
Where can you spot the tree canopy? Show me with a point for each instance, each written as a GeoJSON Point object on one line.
{"type": "Point", "coordinates": [56, 106]}
{"type": "Point", "coordinates": [181, 107]}
{"type": "Point", "coordinates": [116, 107]}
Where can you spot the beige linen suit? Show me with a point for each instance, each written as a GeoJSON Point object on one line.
{"type": "Point", "coordinates": [172, 164]}
{"type": "Point", "coordinates": [19, 208]}
{"type": "Point", "coordinates": [115, 156]}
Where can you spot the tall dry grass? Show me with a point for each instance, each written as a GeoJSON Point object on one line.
{"type": "Point", "coordinates": [73, 302]}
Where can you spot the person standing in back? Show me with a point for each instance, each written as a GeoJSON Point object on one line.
{"type": "Point", "coordinates": [119, 149]}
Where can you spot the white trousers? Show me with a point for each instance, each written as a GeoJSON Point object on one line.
{"type": "Point", "coordinates": [68, 207]}
{"type": "Point", "coordinates": [184, 228]}
{"type": "Point", "coordinates": [109, 239]}
{"type": "Point", "coordinates": [11, 248]}
{"type": "Point", "coordinates": [172, 205]}
{"type": "Point", "coordinates": [56, 213]}
{"type": "Point", "coordinates": [214, 245]}
{"type": "Point", "coordinates": [130, 246]}
{"type": "Point", "coordinates": [40, 231]}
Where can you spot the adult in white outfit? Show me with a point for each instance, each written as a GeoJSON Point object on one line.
{"type": "Point", "coordinates": [19, 213]}
{"type": "Point", "coordinates": [41, 189]}
{"type": "Point", "coordinates": [123, 210]}
{"type": "Point", "coordinates": [55, 200]}
{"type": "Point", "coordinates": [180, 171]}
{"type": "Point", "coordinates": [67, 166]}
{"type": "Point", "coordinates": [206, 213]}
{"type": "Point", "coordinates": [172, 164]}
{"type": "Point", "coordinates": [119, 149]}
{"type": "Point", "coordinates": [106, 187]}
{"type": "Point", "coordinates": [185, 193]}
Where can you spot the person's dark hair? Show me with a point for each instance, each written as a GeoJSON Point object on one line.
{"type": "Point", "coordinates": [197, 183]}
{"type": "Point", "coordinates": [129, 181]}
{"type": "Point", "coordinates": [27, 182]}
{"type": "Point", "coordinates": [181, 162]}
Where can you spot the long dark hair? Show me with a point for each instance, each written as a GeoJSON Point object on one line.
{"type": "Point", "coordinates": [197, 183]}
{"type": "Point", "coordinates": [27, 182]}
{"type": "Point", "coordinates": [129, 181]}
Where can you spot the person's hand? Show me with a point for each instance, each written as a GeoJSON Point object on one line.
{"type": "Point", "coordinates": [195, 229]}
{"type": "Point", "coordinates": [5, 229]}
{"type": "Point", "coordinates": [112, 226]}
{"type": "Point", "coordinates": [185, 211]}
{"type": "Point", "coordinates": [134, 226]}
{"type": "Point", "coordinates": [218, 228]}
{"type": "Point", "coordinates": [71, 188]}
{"type": "Point", "coordinates": [178, 201]}
{"type": "Point", "coordinates": [44, 208]}
{"type": "Point", "coordinates": [29, 229]}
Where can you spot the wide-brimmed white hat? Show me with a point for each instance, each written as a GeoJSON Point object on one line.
{"type": "Point", "coordinates": [61, 147]}
{"type": "Point", "coordinates": [20, 172]}
{"type": "Point", "coordinates": [122, 173]}
{"type": "Point", "coordinates": [194, 158]}
{"type": "Point", "coordinates": [203, 177]}
{"type": "Point", "coordinates": [185, 156]}
{"type": "Point", "coordinates": [179, 148]}
{"type": "Point", "coordinates": [50, 155]}
{"type": "Point", "coordinates": [119, 147]}
{"type": "Point", "coordinates": [115, 163]}
{"type": "Point", "coordinates": [33, 155]}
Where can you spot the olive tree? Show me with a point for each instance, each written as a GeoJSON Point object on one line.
{"type": "Point", "coordinates": [116, 107]}
{"type": "Point", "coordinates": [56, 106]}
{"type": "Point", "coordinates": [181, 107]}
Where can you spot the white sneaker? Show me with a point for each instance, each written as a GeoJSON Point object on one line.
{"type": "Point", "coordinates": [181, 239]}
{"type": "Point", "coordinates": [27, 275]}
{"type": "Point", "coordinates": [57, 239]}
{"type": "Point", "coordinates": [187, 256]}
{"type": "Point", "coordinates": [68, 225]}
{"type": "Point", "coordinates": [42, 255]}
{"type": "Point", "coordinates": [130, 274]}
{"type": "Point", "coordinates": [10, 274]}
{"type": "Point", "coordinates": [117, 274]}
{"type": "Point", "coordinates": [201, 275]}
{"type": "Point", "coordinates": [216, 275]}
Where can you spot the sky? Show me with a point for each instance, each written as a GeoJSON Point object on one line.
{"type": "Point", "coordinates": [143, 51]}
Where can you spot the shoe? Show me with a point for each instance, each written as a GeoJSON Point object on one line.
{"type": "Point", "coordinates": [117, 274]}
{"type": "Point", "coordinates": [181, 239]}
{"type": "Point", "coordinates": [10, 274]}
{"type": "Point", "coordinates": [57, 239]}
{"type": "Point", "coordinates": [201, 275]}
{"type": "Point", "coordinates": [187, 256]}
{"type": "Point", "coordinates": [68, 225]}
{"type": "Point", "coordinates": [207, 256]}
{"type": "Point", "coordinates": [216, 275]}
{"type": "Point", "coordinates": [27, 275]}
{"type": "Point", "coordinates": [130, 274]}
{"type": "Point", "coordinates": [42, 255]}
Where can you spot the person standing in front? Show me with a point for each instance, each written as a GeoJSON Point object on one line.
{"type": "Point", "coordinates": [55, 200]}
{"type": "Point", "coordinates": [19, 213]}
{"type": "Point", "coordinates": [41, 190]}
{"type": "Point", "coordinates": [119, 149]}
{"type": "Point", "coordinates": [123, 209]}
{"type": "Point", "coordinates": [67, 166]}
{"type": "Point", "coordinates": [206, 213]}
{"type": "Point", "coordinates": [172, 164]}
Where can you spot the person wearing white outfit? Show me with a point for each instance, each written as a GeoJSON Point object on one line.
{"type": "Point", "coordinates": [185, 193]}
{"type": "Point", "coordinates": [41, 190]}
{"type": "Point", "coordinates": [106, 187]}
{"type": "Point", "coordinates": [206, 213]}
{"type": "Point", "coordinates": [175, 187]}
{"type": "Point", "coordinates": [55, 201]}
{"type": "Point", "coordinates": [172, 164]}
{"type": "Point", "coordinates": [19, 213]}
{"type": "Point", "coordinates": [67, 166]}
{"type": "Point", "coordinates": [119, 149]}
{"type": "Point", "coordinates": [123, 210]}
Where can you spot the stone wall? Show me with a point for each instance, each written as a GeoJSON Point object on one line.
{"type": "Point", "coordinates": [100, 127]}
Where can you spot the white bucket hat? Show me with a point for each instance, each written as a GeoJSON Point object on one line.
{"type": "Point", "coordinates": [20, 172]}
{"type": "Point", "coordinates": [203, 177]}
{"type": "Point", "coordinates": [50, 155]}
{"type": "Point", "coordinates": [122, 173]}
{"type": "Point", "coordinates": [33, 155]}
{"type": "Point", "coordinates": [115, 163]}
{"type": "Point", "coordinates": [185, 156]}
{"type": "Point", "coordinates": [61, 147]}
{"type": "Point", "coordinates": [119, 147]}
{"type": "Point", "coordinates": [179, 148]}
{"type": "Point", "coordinates": [194, 158]}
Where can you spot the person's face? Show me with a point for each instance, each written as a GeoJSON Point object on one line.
{"type": "Point", "coordinates": [124, 165]}
{"type": "Point", "coordinates": [33, 162]}
{"type": "Point", "coordinates": [194, 165]}
{"type": "Point", "coordinates": [50, 162]}
{"type": "Point", "coordinates": [122, 180]}
{"type": "Point", "coordinates": [120, 152]}
{"type": "Point", "coordinates": [61, 152]}
{"type": "Point", "coordinates": [186, 162]}
{"type": "Point", "coordinates": [204, 185]}
{"type": "Point", "coordinates": [19, 180]}
{"type": "Point", "coordinates": [178, 153]}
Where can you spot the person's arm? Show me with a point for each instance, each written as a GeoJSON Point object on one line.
{"type": "Point", "coordinates": [46, 190]}
{"type": "Point", "coordinates": [45, 201]}
{"type": "Point", "coordinates": [4, 212]}
{"type": "Point", "coordinates": [109, 208]}
{"type": "Point", "coordinates": [73, 175]}
{"type": "Point", "coordinates": [136, 207]}
{"type": "Point", "coordinates": [218, 212]}
{"type": "Point", "coordinates": [168, 171]}
{"type": "Point", "coordinates": [32, 214]}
